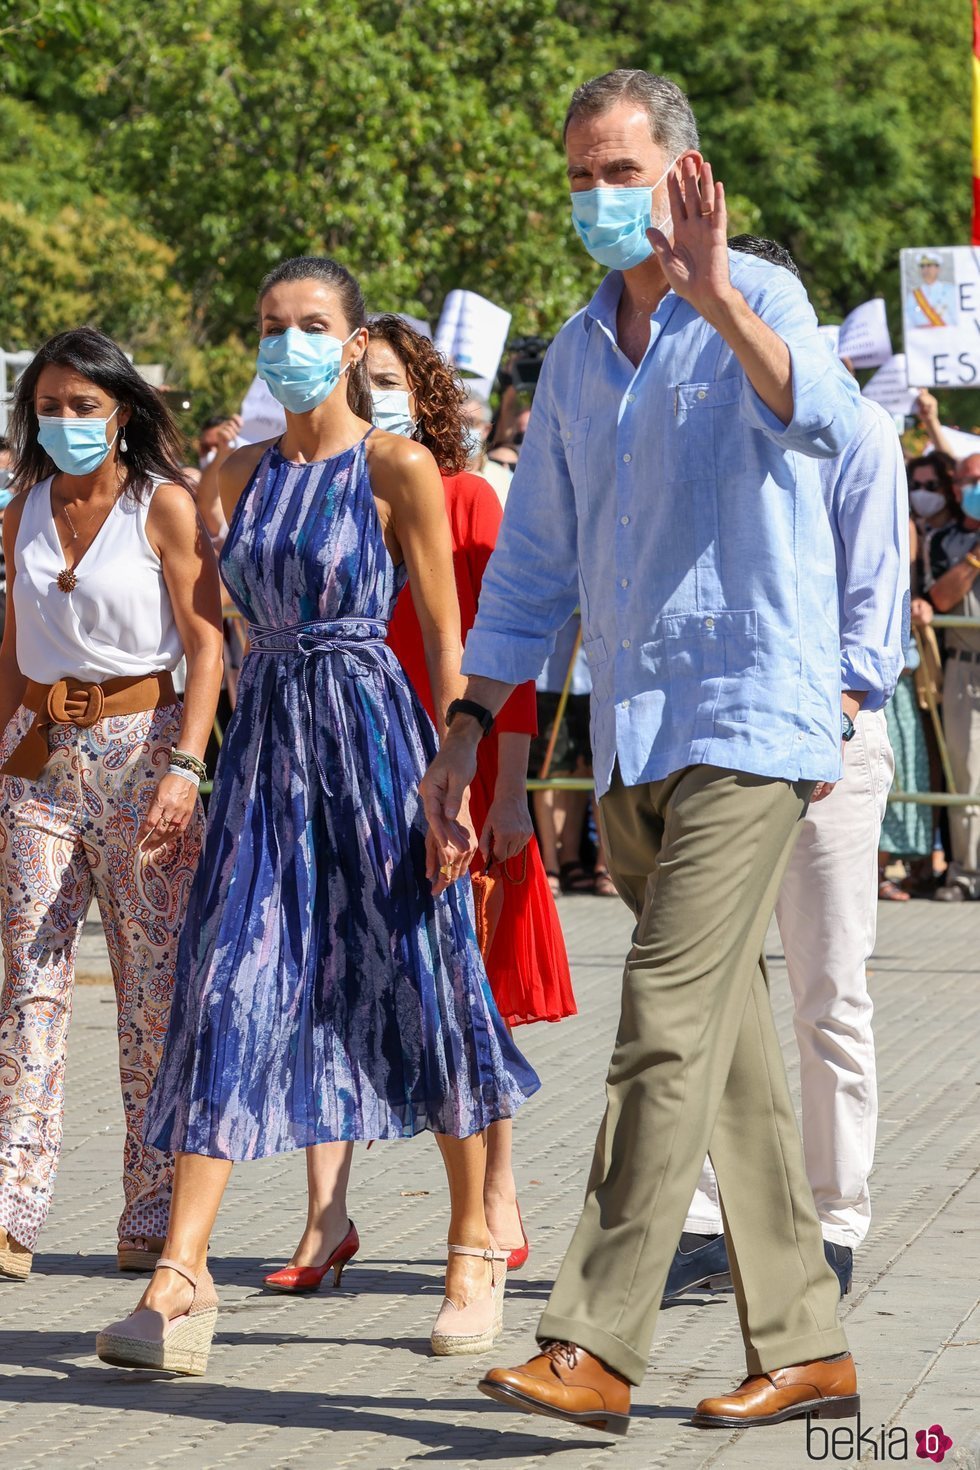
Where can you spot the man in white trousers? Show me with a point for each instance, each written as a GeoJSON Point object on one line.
{"type": "Point", "coordinates": [828, 900]}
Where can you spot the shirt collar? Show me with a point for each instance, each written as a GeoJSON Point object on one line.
{"type": "Point", "coordinates": [605, 304]}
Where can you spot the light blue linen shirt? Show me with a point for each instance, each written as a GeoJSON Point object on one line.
{"type": "Point", "coordinates": [867, 499]}
{"type": "Point", "coordinates": [688, 522]}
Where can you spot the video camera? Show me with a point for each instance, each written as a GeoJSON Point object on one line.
{"type": "Point", "coordinates": [525, 356]}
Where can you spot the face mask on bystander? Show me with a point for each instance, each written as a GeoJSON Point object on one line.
{"type": "Point", "coordinates": [926, 503]}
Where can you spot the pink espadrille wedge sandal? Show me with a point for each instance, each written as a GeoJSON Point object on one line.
{"type": "Point", "coordinates": [148, 1339]}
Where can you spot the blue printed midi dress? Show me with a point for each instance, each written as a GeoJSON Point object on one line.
{"type": "Point", "coordinates": [322, 992]}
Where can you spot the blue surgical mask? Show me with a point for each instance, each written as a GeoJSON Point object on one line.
{"type": "Point", "coordinates": [391, 411]}
{"type": "Point", "coordinates": [970, 500]}
{"type": "Point", "coordinates": [612, 223]}
{"type": "Point", "coordinates": [474, 441]}
{"type": "Point", "coordinates": [77, 446]}
{"type": "Point", "coordinates": [301, 369]}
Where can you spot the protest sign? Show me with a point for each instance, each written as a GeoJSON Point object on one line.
{"type": "Point", "coordinates": [831, 335]}
{"type": "Point", "coordinates": [961, 444]}
{"type": "Point", "coordinates": [864, 338]}
{"type": "Point", "coordinates": [416, 323]}
{"type": "Point", "coordinates": [472, 333]}
{"type": "Point", "coordinates": [889, 386]}
{"type": "Point", "coordinates": [262, 416]}
{"type": "Point", "coordinates": [941, 316]}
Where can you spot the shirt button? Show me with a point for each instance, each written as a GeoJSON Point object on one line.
{"type": "Point", "coordinates": [624, 581]}
{"type": "Point", "coordinates": [627, 458]}
{"type": "Point", "coordinates": [626, 643]}
{"type": "Point", "coordinates": [709, 623]}
{"type": "Point", "coordinates": [624, 520]}
{"type": "Point", "coordinates": [630, 398]}
{"type": "Point", "coordinates": [625, 704]}
{"type": "Point", "coordinates": [702, 394]}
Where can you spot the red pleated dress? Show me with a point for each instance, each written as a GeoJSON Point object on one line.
{"type": "Point", "coordinates": [528, 964]}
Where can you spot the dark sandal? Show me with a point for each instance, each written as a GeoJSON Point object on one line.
{"type": "Point", "coordinates": [603, 886]}
{"type": "Point", "coordinates": [889, 890]}
{"type": "Point", "coordinates": [574, 878]}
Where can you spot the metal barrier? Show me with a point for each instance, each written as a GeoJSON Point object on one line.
{"type": "Point", "coordinates": [546, 782]}
{"type": "Point", "coordinates": [950, 797]}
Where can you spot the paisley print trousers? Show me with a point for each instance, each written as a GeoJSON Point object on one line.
{"type": "Point", "coordinates": [65, 838]}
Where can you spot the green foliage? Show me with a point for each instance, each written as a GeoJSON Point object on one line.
{"type": "Point", "coordinates": [418, 140]}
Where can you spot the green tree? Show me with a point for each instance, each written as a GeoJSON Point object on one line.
{"type": "Point", "coordinates": [418, 140]}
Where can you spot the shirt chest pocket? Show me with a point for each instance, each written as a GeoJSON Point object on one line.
{"type": "Point", "coordinates": [575, 438]}
{"type": "Point", "coordinates": [704, 438]}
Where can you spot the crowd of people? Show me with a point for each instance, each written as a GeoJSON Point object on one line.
{"type": "Point", "coordinates": [344, 950]}
{"type": "Point", "coordinates": [934, 717]}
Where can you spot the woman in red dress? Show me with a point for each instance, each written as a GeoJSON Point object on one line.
{"type": "Point", "coordinates": [418, 394]}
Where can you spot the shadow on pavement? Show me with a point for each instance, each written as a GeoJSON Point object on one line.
{"type": "Point", "coordinates": [196, 1398]}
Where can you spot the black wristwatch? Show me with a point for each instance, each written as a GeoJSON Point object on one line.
{"type": "Point", "coordinates": [846, 726]}
{"type": "Point", "coordinates": [470, 707]}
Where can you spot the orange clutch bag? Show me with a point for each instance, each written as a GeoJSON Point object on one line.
{"type": "Point", "coordinates": [488, 899]}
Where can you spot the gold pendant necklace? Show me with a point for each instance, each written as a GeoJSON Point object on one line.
{"type": "Point", "coordinates": [67, 580]}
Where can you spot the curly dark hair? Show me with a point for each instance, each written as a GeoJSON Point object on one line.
{"type": "Point", "coordinates": [438, 389]}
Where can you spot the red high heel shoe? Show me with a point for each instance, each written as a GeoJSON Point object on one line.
{"type": "Point", "coordinates": [518, 1256]}
{"type": "Point", "coordinates": [309, 1278]}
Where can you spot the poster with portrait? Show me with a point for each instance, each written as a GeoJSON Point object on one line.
{"type": "Point", "coordinates": [941, 315]}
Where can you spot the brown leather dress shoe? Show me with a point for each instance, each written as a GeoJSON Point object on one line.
{"type": "Point", "coordinates": [564, 1382]}
{"type": "Point", "coordinates": [825, 1388]}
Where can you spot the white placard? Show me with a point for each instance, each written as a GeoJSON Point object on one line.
{"type": "Point", "coordinates": [941, 315]}
{"type": "Point", "coordinates": [961, 444]}
{"type": "Point", "coordinates": [831, 335]}
{"type": "Point", "coordinates": [263, 417]}
{"type": "Point", "coordinates": [472, 333]}
{"type": "Point", "coordinates": [415, 322]}
{"type": "Point", "coordinates": [889, 386]}
{"type": "Point", "coordinates": [864, 338]}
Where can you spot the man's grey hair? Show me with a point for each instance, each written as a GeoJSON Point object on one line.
{"type": "Point", "coordinates": [486, 413]}
{"type": "Point", "coordinates": [672, 124]}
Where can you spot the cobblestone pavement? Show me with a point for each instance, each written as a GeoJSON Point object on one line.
{"type": "Point", "coordinates": [345, 1378]}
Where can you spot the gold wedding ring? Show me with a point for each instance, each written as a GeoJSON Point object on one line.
{"type": "Point", "coordinates": [446, 870]}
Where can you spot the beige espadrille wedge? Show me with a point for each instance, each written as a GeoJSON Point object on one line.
{"type": "Point", "coordinates": [475, 1327]}
{"type": "Point", "coordinates": [139, 1254]}
{"type": "Point", "coordinates": [147, 1339]}
{"type": "Point", "coordinates": [15, 1259]}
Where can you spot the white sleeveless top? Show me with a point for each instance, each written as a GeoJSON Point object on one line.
{"type": "Point", "coordinates": [117, 622]}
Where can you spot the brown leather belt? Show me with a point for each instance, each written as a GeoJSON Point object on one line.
{"type": "Point", "coordinates": [73, 702]}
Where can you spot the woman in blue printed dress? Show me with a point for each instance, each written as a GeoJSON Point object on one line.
{"type": "Point", "coordinates": [329, 984]}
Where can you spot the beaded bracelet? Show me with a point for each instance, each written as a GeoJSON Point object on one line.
{"type": "Point", "coordinates": [188, 762]}
{"type": "Point", "coordinates": [184, 775]}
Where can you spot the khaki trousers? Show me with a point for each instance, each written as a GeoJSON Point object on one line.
{"type": "Point", "coordinates": [697, 1069]}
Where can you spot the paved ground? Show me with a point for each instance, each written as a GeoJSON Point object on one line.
{"type": "Point", "coordinates": [345, 1379]}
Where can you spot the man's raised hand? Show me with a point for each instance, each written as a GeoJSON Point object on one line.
{"type": "Point", "coordinates": [695, 261]}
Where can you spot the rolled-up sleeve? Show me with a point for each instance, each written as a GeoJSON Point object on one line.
{"type": "Point", "coordinates": [530, 587]}
{"type": "Point", "coordinates": [871, 510]}
{"type": "Point", "coordinates": [825, 396]}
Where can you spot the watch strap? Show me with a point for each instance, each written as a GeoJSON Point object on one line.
{"type": "Point", "coordinates": [470, 707]}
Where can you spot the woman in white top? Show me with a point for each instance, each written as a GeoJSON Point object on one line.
{"type": "Point", "coordinates": [111, 581]}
